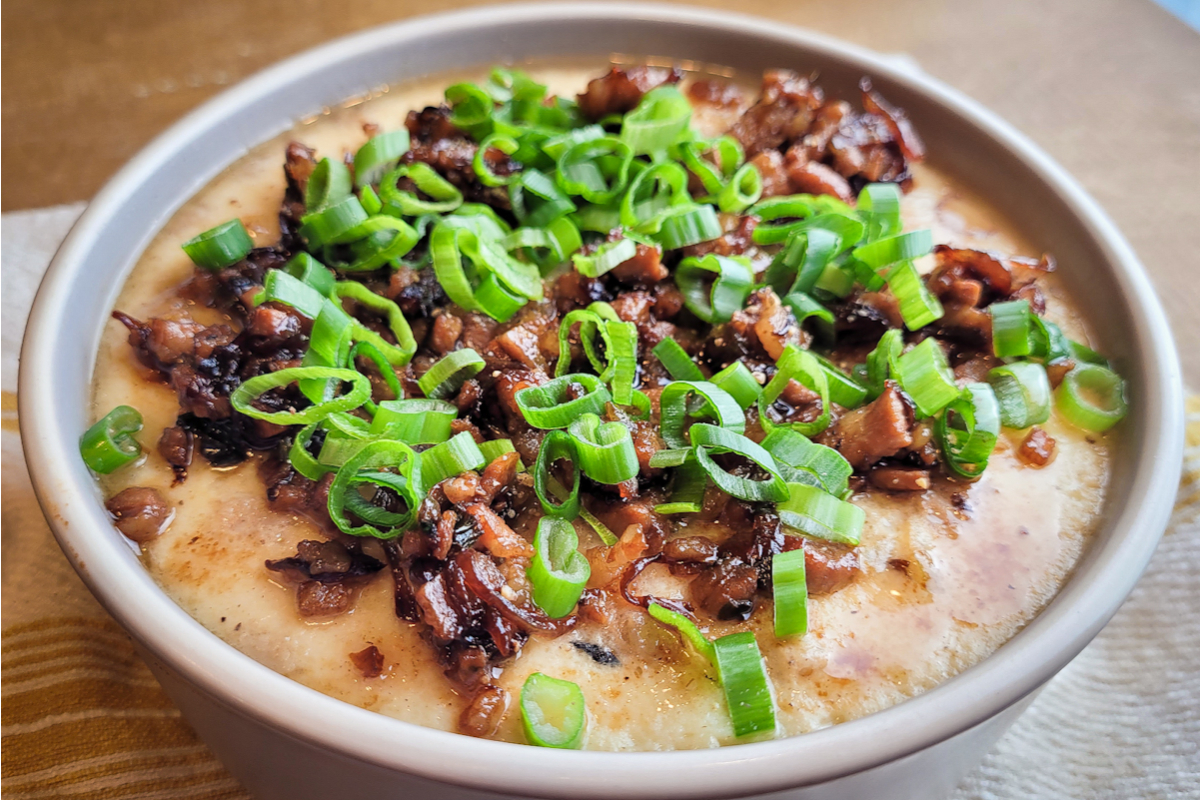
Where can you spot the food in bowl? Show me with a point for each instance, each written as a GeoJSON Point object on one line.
{"type": "Point", "coordinates": [653, 419]}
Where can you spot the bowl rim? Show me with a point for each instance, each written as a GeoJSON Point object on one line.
{"type": "Point", "coordinates": [1017, 669]}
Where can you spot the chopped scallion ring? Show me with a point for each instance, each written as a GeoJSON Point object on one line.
{"type": "Point", "coordinates": [717, 405]}
{"type": "Point", "coordinates": [414, 421]}
{"type": "Point", "coordinates": [687, 629]}
{"type": "Point", "coordinates": [553, 712]}
{"type": "Point", "coordinates": [818, 514]}
{"type": "Point", "coordinates": [678, 363]}
{"type": "Point", "coordinates": [687, 491]}
{"type": "Point", "coordinates": [744, 679]}
{"type": "Point", "coordinates": [790, 590]}
{"type": "Point", "coordinates": [244, 395]}
{"type": "Point", "coordinates": [1012, 329]}
{"type": "Point", "coordinates": [968, 429]}
{"type": "Point", "coordinates": [802, 366]}
{"type": "Point", "coordinates": [379, 155]}
{"type": "Point", "coordinates": [661, 116]}
{"type": "Point", "coordinates": [328, 183]}
{"type": "Point", "coordinates": [926, 377]}
{"type": "Point", "coordinates": [220, 247]}
{"type": "Point", "coordinates": [801, 460]}
{"type": "Point", "coordinates": [1022, 390]}
{"type": "Point", "coordinates": [109, 444]}
{"type": "Point", "coordinates": [1092, 397]}
{"type": "Point", "coordinates": [605, 450]}
{"type": "Point", "coordinates": [710, 440]}
{"type": "Point", "coordinates": [447, 376]}
{"type": "Point", "coordinates": [558, 445]}
{"type": "Point", "coordinates": [450, 459]}
{"type": "Point", "coordinates": [558, 572]}
{"type": "Point", "coordinates": [918, 306]}
{"type": "Point", "coordinates": [714, 287]}
{"type": "Point", "coordinates": [738, 381]}
{"type": "Point", "coordinates": [547, 406]}
{"type": "Point", "coordinates": [444, 195]}
{"type": "Point", "coordinates": [372, 465]}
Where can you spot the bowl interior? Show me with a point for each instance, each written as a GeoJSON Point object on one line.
{"type": "Point", "coordinates": [86, 276]}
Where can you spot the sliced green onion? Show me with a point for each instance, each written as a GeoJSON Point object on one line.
{"type": "Point", "coordinates": [683, 226]}
{"type": "Point", "coordinates": [447, 376]}
{"type": "Point", "coordinates": [414, 421]}
{"type": "Point", "coordinates": [802, 261]}
{"type": "Point", "coordinates": [449, 459]}
{"type": "Point", "coordinates": [109, 444]}
{"type": "Point", "coordinates": [328, 183]}
{"type": "Point", "coordinates": [219, 247]}
{"type": "Point", "coordinates": [537, 201]}
{"type": "Point", "coordinates": [660, 117]}
{"type": "Point", "coordinates": [598, 219]}
{"type": "Point", "coordinates": [844, 389]}
{"type": "Point", "coordinates": [918, 306]}
{"type": "Point", "coordinates": [902, 247]}
{"type": "Point", "coordinates": [400, 353]}
{"type": "Point", "coordinates": [742, 191]}
{"type": "Point", "coordinates": [547, 406]}
{"type": "Point", "coordinates": [621, 350]}
{"type": "Point", "coordinates": [714, 287]}
{"type": "Point", "coordinates": [710, 440]}
{"type": "Point", "coordinates": [879, 207]}
{"type": "Point", "coordinates": [744, 679]}
{"type": "Point", "coordinates": [881, 362]}
{"type": "Point", "coordinates": [368, 467]}
{"type": "Point", "coordinates": [718, 405]}
{"type": "Point", "coordinates": [249, 391]}
{"type": "Point", "coordinates": [379, 155]}
{"type": "Point", "coordinates": [558, 572]}
{"type": "Point", "coordinates": [925, 376]}
{"type": "Point", "coordinates": [818, 514]}
{"type": "Point", "coordinates": [738, 381]}
{"type": "Point", "coordinates": [495, 448]}
{"type": "Point", "coordinates": [678, 363]}
{"type": "Point", "coordinates": [372, 353]}
{"type": "Point", "coordinates": [505, 144]}
{"type": "Point", "coordinates": [280, 287]}
{"type": "Point", "coordinates": [558, 445]}
{"type": "Point", "coordinates": [802, 366]}
{"type": "Point", "coordinates": [1084, 354]}
{"type": "Point", "coordinates": [675, 457]}
{"type": "Point", "coordinates": [302, 460]}
{"type": "Point", "coordinates": [687, 629]}
{"type": "Point", "coordinates": [835, 280]}
{"type": "Point", "coordinates": [606, 258]}
{"type": "Point", "coordinates": [652, 191]}
{"type": "Point", "coordinates": [332, 223]}
{"type": "Point", "coordinates": [374, 247]}
{"type": "Point", "coordinates": [555, 146]}
{"type": "Point", "coordinates": [370, 201]}
{"type": "Point", "coordinates": [687, 491]}
{"type": "Point", "coordinates": [445, 195]}
{"type": "Point", "coordinates": [789, 208]}
{"type": "Point", "coordinates": [328, 346]}
{"type": "Point", "coordinates": [590, 325]}
{"type": "Point", "coordinates": [605, 449]}
{"type": "Point", "coordinates": [800, 460]}
{"type": "Point", "coordinates": [968, 429]}
{"type": "Point", "coordinates": [729, 156]}
{"type": "Point", "coordinates": [473, 109]}
{"type": "Point", "coordinates": [1012, 329]}
{"type": "Point", "coordinates": [596, 170]}
{"type": "Point", "coordinates": [1092, 397]}
{"type": "Point", "coordinates": [553, 712]}
{"type": "Point", "coordinates": [1023, 391]}
{"type": "Point", "coordinates": [790, 589]}
{"type": "Point", "coordinates": [307, 269]}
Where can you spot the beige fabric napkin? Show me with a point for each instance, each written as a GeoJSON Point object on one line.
{"type": "Point", "coordinates": [83, 718]}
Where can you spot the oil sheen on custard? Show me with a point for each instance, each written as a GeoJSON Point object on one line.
{"type": "Point", "coordinates": [976, 573]}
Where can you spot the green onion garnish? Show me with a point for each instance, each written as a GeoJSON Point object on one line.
{"type": "Point", "coordinates": [449, 459]}
{"type": "Point", "coordinates": [333, 222]}
{"type": "Point", "coordinates": [446, 196]}
{"type": "Point", "coordinates": [244, 395]}
{"type": "Point", "coordinates": [744, 679]}
{"type": "Point", "coordinates": [675, 408]}
{"type": "Point", "coordinates": [790, 589]}
{"type": "Point", "coordinates": [678, 363]}
{"type": "Point", "coordinates": [553, 712]}
{"type": "Point", "coordinates": [558, 572]}
{"type": "Point", "coordinates": [968, 429]}
{"type": "Point", "coordinates": [709, 440]}
{"type": "Point", "coordinates": [328, 183]}
{"type": "Point", "coordinates": [606, 258]}
{"type": "Point", "coordinates": [742, 191]}
{"type": "Point", "coordinates": [1092, 397]}
{"type": "Point", "coordinates": [683, 226]}
{"type": "Point", "coordinates": [398, 354]}
{"type": "Point", "coordinates": [308, 270]}
{"type": "Point", "coordinates": [918, 306]}
{"type": "Point", "coordinates": [373, 465]}
{"type": "Point", "coordinates": [414, 421]}
{"type": "Point", "coordinates": [1023, 392]}
{"type": "Point", "coordinates": [926, 377]}
{"type": "Point", "coordinates": [547, 406]}
{"type": "Point", "coordinates": [660, 118]}
{"type": "Point", "coordinates": [448, 375]}
{"type": "Point", "coordinates": [879, 207]}
{"type": "Point", "coordinates": [844, 389]}
{"type": "Point", "coordinates": [109, 444]}
{"type": "Point", "coordinates": [379, 155]}
{"type": "Point", "coordinates": [689, 481]}
{"type": "Point", "coordinates": [604, 450]}
{"type": "Point", "coordinates": [219, 247]}
{"type": "Point", "coordinates": [818, 514]}
{"type": "Point", "coordinates": [558, 445]}
{"type": "Point", "coordinates": [802, 366]}
{"type": "Point", "coordinates": [596, 170]}
{"type": "Point", "coordinates": [1012, 329]}
{"type": "Point", "coordinates": [714, 287]}
{"type": "Point", "coordinates": [687, 629]}
{"type": "Point", "coordinates": [738, 382]}
{"type": "Point", "coordinates": [801, 460]}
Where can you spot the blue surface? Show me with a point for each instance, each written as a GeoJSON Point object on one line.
{"type": "Point", "coordinates": [1186, 10]}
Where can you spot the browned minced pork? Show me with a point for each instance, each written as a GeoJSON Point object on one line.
{"type": "Point", "coordinates": [176, 446]}
{"type": "Point", "coordinates": [328, 576]}
{"type": "Point", "coordinates": [899, 479]}
{"type": "Point", "coordinates": [368, 661]}
{"type": "Point", "coordinates": [880, 429]}
{"type": "Point", "coordinates": [784, 112]}
{"type": "Point", "coordinates": [140, 513]}
{"type": "Point", "coordinates": [1037, 449]}
{"type": "Point", "coordinates": [482, 715]}
{"type": "Point", "coordinates": [829, 567]}
{"type": "Point", "coordinates": [622, 89]}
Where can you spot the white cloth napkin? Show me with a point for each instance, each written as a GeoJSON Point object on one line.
{"type": "Point", "coordinates": [1121, 722]}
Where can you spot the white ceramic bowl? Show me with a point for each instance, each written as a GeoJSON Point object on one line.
{"type": "Point", "coordinates": [283, 740]}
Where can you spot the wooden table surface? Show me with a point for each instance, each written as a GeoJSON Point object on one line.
{"type": "Point", "coordinates": [1110, 88]}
